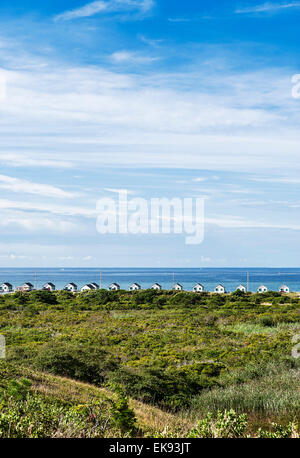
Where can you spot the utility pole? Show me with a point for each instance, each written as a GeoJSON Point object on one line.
{"type": "Point", "coordinates": [35, 281]}
{"type": "Point", "coordinates": [248, 284]}
{"type": "Point", "coordinates": [100, 280]}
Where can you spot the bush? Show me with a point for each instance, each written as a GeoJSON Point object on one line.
{"type": "Point", "coordinates": [144, 297]}
{"type": "Point", "coordinates": [45, 297]}
{"type": "Point", "coordinates": [266, 320]}
{"type": "Point", "coordinates": [169, 390]}
{"type": "Point", "coordinates": [27, 415]}
{"type": "Point", "coordinates": [18, 389]}
{"type": "Point", "coordinates": [90, 364]}
{"type": "Point", "coordinates": [20, 298]}
{"type": "Point", "coordinates": [279, 432]}
{"type": "Point", "coordinates": [228, 424]}
{"type": "Point", "coordinates": [123, 416]}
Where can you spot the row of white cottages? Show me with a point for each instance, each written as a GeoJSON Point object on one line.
{"type": "Point", "coordinates": [26, 287]}
{"type": "Point", "coordinates": [198, 288]}
{"type": "Point", "coordinates": [72, 287]}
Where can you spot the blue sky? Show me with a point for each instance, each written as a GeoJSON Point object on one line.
{"type": "Point", "coordinates": [163, 98]}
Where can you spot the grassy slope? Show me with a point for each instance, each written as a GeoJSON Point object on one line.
{"type": "Point", "coordinates": [150, 419]}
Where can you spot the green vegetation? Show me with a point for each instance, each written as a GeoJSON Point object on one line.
{"type": "Point", "coordinates": [149, 363]}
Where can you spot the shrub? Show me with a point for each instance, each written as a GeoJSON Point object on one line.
{"type": "Point", "coordinates": [45, 297]}
{"type": "Point", "coordinates": [18, 389]}
{"type": "Point", "coordinates": [266, 320]}
{"type": "Point", "coordinates": [20, 298]}
{"type": "Point", "coordinates": [171, 390]}
{"type": "Point", "coordinates": [90, 364]}
{"type": "Point", "coordinates": [279, 432]}
{"type": "Point", "coordinates": [228, 424]}
{"type": "Point", "coordinates": [33, 416]}
{"type": "Point", "coordinates": [123, 416]}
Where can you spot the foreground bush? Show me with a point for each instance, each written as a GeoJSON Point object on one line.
{"type": "Point", "coordinates": [229, 424]}
{"type": "Point", "coordinates": [24, 414]}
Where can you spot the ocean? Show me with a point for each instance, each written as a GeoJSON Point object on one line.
{"type": "Point", "coordinates": [273, 278]}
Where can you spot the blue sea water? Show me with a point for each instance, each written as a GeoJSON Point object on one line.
{"type": "Point", "coordinates": [273, 278]}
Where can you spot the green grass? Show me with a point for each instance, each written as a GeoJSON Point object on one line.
{"type": "Point", "coordinates": [254, 328]}
{"type": "Point", "coordinates": [271, 390]}
{"type": "Point", "coordinates": [177, 356]}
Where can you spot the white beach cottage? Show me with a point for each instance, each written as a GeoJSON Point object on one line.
{"type": "Point", "coordinates": [284, 289]}
{"type": "Point", "coordinates": [71, 287]}
{"type": "Point", "coordinates": [6, 288]}
{"type": "Point", "coordinates": [156, 286]}
{"type": "Point", "coordinates": [114, 287]}
{"type": "Point", "coordinates": [48, 287]}
{"type": "Point", "coordinates": [220, 289]}
{"type": "Point", "coordinates": [134, 287]}
{"type": "Point", "coordinates": [198, 288]}
{"type": "Point", "coordinates": [262, 289]}
{"type": "Point", "coordinates": [94, 285]}
{"type": "Point", "coordinates": [177, 287]}
{"type": "Point", "coordinates": [89, 287]}
{"type": "Point", "coordinates": [242, 288]}
{"type": "Point", "coordinates": [26, 287]}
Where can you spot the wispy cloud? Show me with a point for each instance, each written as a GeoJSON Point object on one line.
{"type": "Point", "coordinates": [24, 186]}
{"type": "Point", "coordinates": [85, 11]}
{"type": "Point", "coordinates": [283, 180]}
{"type": "Point", "coordinates": [239, 222]}
{"type": "Point", "coordinates": [199, 179]}
{"type": "Point", "coordinates": [193, 118]}
{"type": "Point", "coordinates": [202, 123]}
{"type": "Point", "coordinates": [268, 7]}
{"type": "Point", "coordinates": [151, 41]}
{"type": "Point", "coordinates": [178, 19]}
{"type": "Point", "coordinates": [131, 57]}
{"type": "Point", "coordinates": [118, 191]}
{"type": "Point", "coordinates": [112, 6]}
{"type": "Point", "coordinates": [12, 256]}
{"type": "Point", "coordinates": [87, 258]}
{"type": "Point", "coordinates": [37, 223]}
{"type": "Point", "coordinates": [17, 160]}
{"type": "Point", "coordinates": [51, 209]}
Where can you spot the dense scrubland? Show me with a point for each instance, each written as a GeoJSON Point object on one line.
{"type": "Point", "coordinates": [149, 364]}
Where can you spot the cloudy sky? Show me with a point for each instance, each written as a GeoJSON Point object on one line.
{"type": "Point", "coordinates": [163, 98]}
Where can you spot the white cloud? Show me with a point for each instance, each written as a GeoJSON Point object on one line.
{"type": "Point", "coordinates": [34, 223]}
{"type": "Point", "coordinates": [118, 191]}
{"type": "Point", "coordinates": [268, 7]}
{"type": "Point", "coordinates": [150, 41]}
{"type": "Point", "coordinates": [87, 258]}
{"type": "Point", "coordinates": [178, 19]}
{"type": "Point", "coordinates": [283, 180]}
{"type": "Point", "coordinates": [199, 179]}
{"type": "Point", "coordinates": [85, 11]}
{"type": "Point", "coordinates": [205, 259]}
{"type": "Point", "coordinates": [131, 57]}
{"type": "Point", "coordinates": [17, 160]}
{"type": "Point", "coordinates": [236, 222]}
{"type": "Point", "coordinates": [81, 95]}
{"type": "Point", "coordinates": [20, 186]}
{"type": "Point", "coordinates": [110, 6]}
{"type": "Point", "coordinates": [12, 256]}
{"type": "Point", "coordinates": [92, 117]}
{"type": "Point", "coordinates": [54, 209]}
